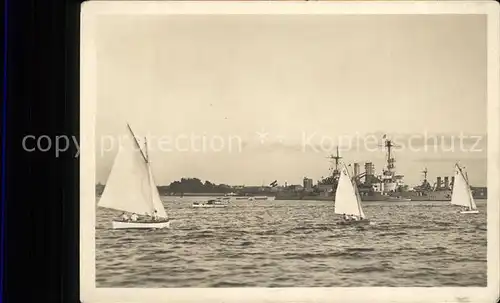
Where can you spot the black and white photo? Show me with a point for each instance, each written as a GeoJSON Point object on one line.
{"type": "Point", "coordinates": [289, 151]}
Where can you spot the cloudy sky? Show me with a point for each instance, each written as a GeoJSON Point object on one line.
{"type": "Point", "coordinates": [251, 99]}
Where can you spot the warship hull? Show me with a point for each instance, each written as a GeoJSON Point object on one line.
{"type": "Point", "coordinates": [297, 196]}
{"type": "Point", "coordinates": [293, 197]}
{"type": "Point", "coordinates": [440, 195]}
{"type": "Point", "coordinates": [444, 195]}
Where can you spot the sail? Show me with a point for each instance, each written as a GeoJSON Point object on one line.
{"type": "Point", "coordinates": [461, 194]}
{"type": "Point", "coordinates": [346, 197]}
{"type": "Point", "coordinates": [358, 197]}
{"type": "Point", "coordinates": [155, 195]}
{"type": "Point", "coordinates": [157, 204]}
{"type": "Point", "coordinates": [128, 187]}
{"type": "Point", "coordinates": [471, 199]}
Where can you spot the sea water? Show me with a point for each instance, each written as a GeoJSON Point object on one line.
{"type": "Point", "coordinates": [296, 244]}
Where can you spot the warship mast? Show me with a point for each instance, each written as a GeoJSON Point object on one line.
{"type": "Point", "coordinates": [388, 173]}
{"type": "Point", "coordinates": [336, 158]}
{"type": "Point", "coordinates": [390, 159]}
{"type": "Point", "coordinates": [390, 180]}
{"type": "Point", "coordinates": [332, 179]}
{"type": "Point", "coordinates": [425, 174]}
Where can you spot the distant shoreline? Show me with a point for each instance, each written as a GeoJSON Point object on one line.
{"type": "Point", "coordinates": [196, 194]}
{"type": "Point", "coordinates": [203, 195]}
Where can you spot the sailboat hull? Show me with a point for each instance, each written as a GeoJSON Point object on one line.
{"type": "Point", "coordinates": [140, 225]}
{"type": "Point", "coordinates": [470, 212]}
{"type": "Point", "coordinates": [354, 222]}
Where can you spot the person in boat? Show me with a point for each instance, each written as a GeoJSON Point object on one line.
{"type": "Point", "coordinates": [344, 217]}
{"type": "Point", "coordinates": [133, 217]}
{"type": "Point", "coordinates": [124, 217]}
{"type": "Point", "coordinates": [155, 215]}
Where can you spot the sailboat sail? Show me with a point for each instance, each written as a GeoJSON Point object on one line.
{"type": "Point", "coordinates": [358, 197]}
{"type": "Point", "coordinates": [462, 194]}
{"type": "Point", "coordinates": [157, 204]}
{"type": "Point", "coordinates": [471, 199]}
{"type": "Point", "coordinates": [346, 197]}
{"type": "Point", "coordinates": [130, 184]}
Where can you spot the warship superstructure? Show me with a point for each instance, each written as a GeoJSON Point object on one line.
{"type": "Point", "coordinates": [385, 186]}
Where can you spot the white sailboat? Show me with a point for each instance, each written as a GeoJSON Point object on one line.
{"type": "Point", "coordinates": [348, 200]}
{"type": "Point", "coordinates": [462, 194]}
{"type": "Point", "coordinates": [131, 188]}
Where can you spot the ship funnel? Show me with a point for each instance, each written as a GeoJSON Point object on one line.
{"type": "Point", "coordinates": [369, 169]}
{"type": "Point", "coordinates": [446, 183]}
{"type": "Point", "coordinates": [452, 181]}
{"type": "Point", "coordinates": [438, 183]}
{"type": "Point", "coordinates": [356, 169]}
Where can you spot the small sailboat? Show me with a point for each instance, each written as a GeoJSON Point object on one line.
{"type": "Point", "coordinates": [348, 200]}
{"type": "Point", "coordinates": [131, 188]}
{"type": "Point", "coordinates": [462, 194]}
{"type": "Point", "coordinates": [212, 203]}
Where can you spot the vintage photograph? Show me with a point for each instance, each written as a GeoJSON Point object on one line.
{"type": "Point", "coordinates": [288, 150]}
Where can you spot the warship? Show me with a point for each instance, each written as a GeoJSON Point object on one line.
{"type": "Point", "coordinates": [388, 186]}
{"type": "Point", "coordinates": [439, 191]}
{"type": "Point", "coordinates": [385, 187]}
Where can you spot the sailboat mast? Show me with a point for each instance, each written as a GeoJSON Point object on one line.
{"type": "Point", "coordinates": [137, 143]}
{"type": "Point", "coordinates": [146, 156]}
{"type": "Point", "coordinates": [151, 184]}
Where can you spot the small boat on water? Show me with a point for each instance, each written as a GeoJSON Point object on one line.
{"type": "Point", "coordinates": [131, 188]}
{"type": "Point", "coordinates": [212, 203]}
{"type": "Point", "coordinates": [461, 194]}
{"type": "Point", "coordinates": [255, 198]}
{"type": "Point", "coordinates": [348, 200]}
{"type": "Point", "coordinates": [398, 199]}
{"type": "Point", "coordinates": [263, 198]}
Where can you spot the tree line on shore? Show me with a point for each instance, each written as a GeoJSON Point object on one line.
{"type": "Point", "coordinates": [186, 185]}
{"type": "Point", "coordinates": [195, 185]}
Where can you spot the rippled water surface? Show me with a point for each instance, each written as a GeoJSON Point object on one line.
{"type": "Point", "coordinates": [296, 244]}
